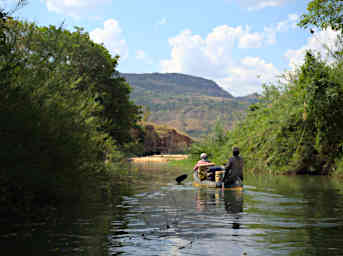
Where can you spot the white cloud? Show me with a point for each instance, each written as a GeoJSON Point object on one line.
{"type": "Point", "coordinates": [255, 5]}
{"type": "Point", "coordinates": [188, 54]}
{"type": "Point", "coordinates": [72, 8]}
{"type": "Point", "coordinates": [212, 57]}
{"type": "Point", "coordinates": [247, 76]}
{"type": "Point", "coordinates": [282, 26]}
{"type": "Point", "coordinates": [112, 37]}
{"type": "Point", "coordinates": [143, 56]}
{"type": "Point", "coordinates": [285, 25]}
{"type": "Point", "coordinates": [258, 5]}
{"type": "Point", "coordinates": [162, 21]}
{"type": "Point", "coordinates": [317, 43]}
{"type": "Point", "coordinates": [192, 54]}
{"type": "Point", "coordinates": [251, 40]}
{"type": "Point", "coordinates": [140, 54]}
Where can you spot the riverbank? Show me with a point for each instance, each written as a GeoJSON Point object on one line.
{"type": "Point", "coordinates": [158, 158]}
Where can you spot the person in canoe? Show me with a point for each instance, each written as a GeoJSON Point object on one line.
{"type": "Point", "coordinates": [203, 162]}
{"type": "Point", "coordinates": [234, 168]}
{"type": "Point", "coordinates": [202, 174]}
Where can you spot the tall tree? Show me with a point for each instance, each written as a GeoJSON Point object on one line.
{"type": "Point", "coordinates": [59, 98]}
{"type": "Point", "coordinates": [72, 56]}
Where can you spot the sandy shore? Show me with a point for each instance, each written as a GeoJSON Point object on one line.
{"type": "Point", "coordinates": [158, 158]}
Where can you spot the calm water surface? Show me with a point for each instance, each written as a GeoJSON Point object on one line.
{"type": "Point", "coordinates": [154, 216]}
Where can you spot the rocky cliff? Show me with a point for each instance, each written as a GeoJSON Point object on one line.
{"type": "Point", "coordinates": [164, 140]}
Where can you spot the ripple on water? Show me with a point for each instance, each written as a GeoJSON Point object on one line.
{"type": "Point", "coordinates": [259, 221]}
{"type": "Point", "coordinates": [272, 216]}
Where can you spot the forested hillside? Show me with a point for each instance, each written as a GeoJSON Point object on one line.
{"type": "Point", "coordinates": [190, 104]}
{"type": "Point", "coordinates": [169, 84]}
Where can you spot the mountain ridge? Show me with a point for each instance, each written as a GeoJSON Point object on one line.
{"type": "Point", "coordinates": [189, 83]}
{"type": "Point", "coordinates": [188, 103]}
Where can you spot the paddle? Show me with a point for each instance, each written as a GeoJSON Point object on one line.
{"type": "Point", "coordinates": [181, 178]}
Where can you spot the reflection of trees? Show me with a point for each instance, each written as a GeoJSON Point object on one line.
{"type": "Point", "coordinates": [300, 214]}
{"type": "Point", "coordinates": [83, 228]}
{"type": "Point", "coordinates": [91, 225]}
{"type": "Point", "coordinates": [322, 211]}
{"type": "Point", "coordinates": [233, 202]}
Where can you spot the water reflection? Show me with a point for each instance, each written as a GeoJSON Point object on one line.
{"type": "Point", "coordinates": [153, 216]}
{"type": "Point", "coordinates": [79, 229]}
{"type": "Point", "coordinates": [232, 202]}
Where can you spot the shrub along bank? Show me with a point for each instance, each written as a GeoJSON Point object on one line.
{"type": "Point", "coordinates": [63, 112]}
{"type": "Point", "coordinates": [296, 127]}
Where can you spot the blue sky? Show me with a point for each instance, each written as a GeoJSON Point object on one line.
{"type": "Point", "coordinates": [240, 44]}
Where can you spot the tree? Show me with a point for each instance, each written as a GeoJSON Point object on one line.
{"type": "Point", "coordinates": [324, 14]}
{"type": "Point", "coordinates": [72, 56]}
{"type": "Point", "coordinates": [323, 94]}
{"type": "Point", "coordinates": [60, 99]}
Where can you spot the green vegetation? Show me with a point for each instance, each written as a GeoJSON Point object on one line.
{"type": "Point", "coordinates": [323, 14]}
{"type": "Point", "coordinates": [190, 104]}
{"type": "Point", "coordinates": [297, 126]}
{"type": "Point", "coordinates": [175, 84]}
{"type": "Point", "coordinates": [67, 119]}
{"type": "Point", "coordinates": [64, 113]}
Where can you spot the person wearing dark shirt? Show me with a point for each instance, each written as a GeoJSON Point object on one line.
{"type": "Point", "coordinates": [234, 167]}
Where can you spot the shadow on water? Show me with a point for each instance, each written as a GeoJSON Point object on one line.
{"type": "Point", "coordinates": [152, 215]}
{"type": "Point", "coordinates": [297, 215]}
{"type": "Point", "coordinates": [78, 229]}
{"type": "Point", "coordinates": [322, 216]}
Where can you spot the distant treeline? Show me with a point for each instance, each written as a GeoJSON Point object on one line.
{"type": "Point", "coordinates": [64, 112]}
{"type": "Point", "coordinates": [297, 127]}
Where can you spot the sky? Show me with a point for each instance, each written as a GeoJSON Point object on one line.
{"type": "Point", "coordinates": [239, 44]}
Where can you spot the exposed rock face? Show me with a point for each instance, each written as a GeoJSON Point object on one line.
{"type": "Point", "coordinates": [167, 141]}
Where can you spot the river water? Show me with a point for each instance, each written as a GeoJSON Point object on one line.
{"type": "Point", "coordinates": [154, 216]}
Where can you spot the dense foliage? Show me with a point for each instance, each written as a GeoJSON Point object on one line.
{"type": "Point", "coordinates": [323, 14]}
{"type": "Point", "coordinates": [64, 111]}
{"type": "Point", "coordinates": [296, 126]}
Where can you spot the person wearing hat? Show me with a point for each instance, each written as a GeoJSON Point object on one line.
{"type": "Point", "coordinates": [234, 167]}
{"type": "Point", "coordinates": [203, 161]}
{"type": "Point", "coordinates": [203, 172]}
